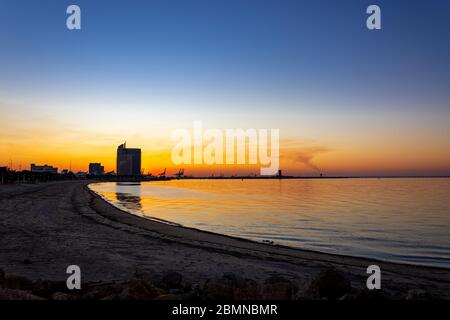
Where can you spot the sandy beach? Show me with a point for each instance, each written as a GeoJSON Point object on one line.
{"type": "Point", "coordinates": [46, 227]}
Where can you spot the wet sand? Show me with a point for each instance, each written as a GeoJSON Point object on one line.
{"type": "Point", "coordinates": [46, 227]}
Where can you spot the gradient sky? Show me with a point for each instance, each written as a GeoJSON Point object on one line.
{"type": "Point", "coordinates": [346, 100]}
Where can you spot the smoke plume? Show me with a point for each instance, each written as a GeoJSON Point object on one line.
{"type": "Point", "coordinates": [307, 155]}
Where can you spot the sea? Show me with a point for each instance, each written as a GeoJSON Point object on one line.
{"type": "Point", "coordinates": [404, 220]}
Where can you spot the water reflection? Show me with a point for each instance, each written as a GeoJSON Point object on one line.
{"type": "Point", "coordinates": [129, 200]}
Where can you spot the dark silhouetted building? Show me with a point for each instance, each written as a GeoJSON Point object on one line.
{"type": "Point", "coordinates": [44, 168]}
{"type": "Point", "coordinates": [3, 173]}
{"type": "Point", "coordinates": [96, 169]}
{"type": "Point", "coordinates": [128, 161]}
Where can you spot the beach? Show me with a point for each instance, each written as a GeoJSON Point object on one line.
{"type": "Point", "coordinates": [47, 227]}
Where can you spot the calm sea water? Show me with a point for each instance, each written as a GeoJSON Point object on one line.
{"type": "Point", "coordinates": [402, 220]}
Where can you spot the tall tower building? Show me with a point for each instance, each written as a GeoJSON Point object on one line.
{"type": "Point", "coordinates": [128, 161]}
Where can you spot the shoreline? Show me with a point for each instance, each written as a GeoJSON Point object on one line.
{"type": "Point", "coordinates": [67, 223]}
{"type": "Point", "coordinates": [213, 238]}
{"type": "Point", "coordinates": [168, 178]}
{"type": "Point", "coordinates": [264, 246]}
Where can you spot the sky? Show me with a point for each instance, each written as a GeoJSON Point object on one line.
{"type": "Point", "coordinates": [347, 100]}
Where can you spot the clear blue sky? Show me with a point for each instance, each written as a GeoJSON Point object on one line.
{"type": "Point", "coordinates": [290, 47]}
{"type": "Point", "coordinates": [287, 60]}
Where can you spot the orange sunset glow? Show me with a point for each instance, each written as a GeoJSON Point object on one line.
{"type": "Point", "coordinates": [389, 150]}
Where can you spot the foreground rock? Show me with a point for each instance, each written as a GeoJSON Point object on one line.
{"type": "Point", "coordinates": [416, 294]}
{"type": "Point", "coordinates": [365, 295]}
{"type": "Point", "coordinates": [140, 288]}
{"type": "Point", "coordinates": [329, 284]}
{"type": "Point", "coordinates": [17, 283]}
{"type": "Point", "coordinates": [11, 294]}
{"type": "Point", "coordinates": [279, 288]}
{"type": "Point", "coordinates": [45, 288]}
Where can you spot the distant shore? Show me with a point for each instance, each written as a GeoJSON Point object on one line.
{"type": "Point", "coordinates": [154, 178]}
{"type": "Point", "coordinates": [169, 178]}
{"type": "Point", "coordinates": [46, 227]}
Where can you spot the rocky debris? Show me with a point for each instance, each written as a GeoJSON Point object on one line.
{"type": "Point", "coordinates": [103, 292]}
{"type": "Point", "coordinates": [278, 288]}
{"type": "Point", "coordinates": [218, 289]}
{"type": "Point", "coordinates": [173, 282]}
{"type": "Point", "coordinates": [140, 288]}
{"type": "Point", "coordinates": [12, 294]}
{"type": "Point", "coordinates": [17, 283]}
{"type": "Point", "coordinates": [365, 295]}
{"type": "Point", "coordinates": [45, 288]}
{"type": "Point", "coordinates": [248, 289]}
{"type": "Point", "coordinates": [169, 297]}
{"type": "Point", "coordinates": [2, 277]}
{"type": "Point", "coordinates": [329, 284]}
{"type": "Point", "coordinates": [147, 276]}
{"type": "Point", "coordinates": [418, 294]}
{"type": "Point", "coordinates": [230, 287]}
{"type": "Point", "coordinates": [61, 296]}
{"type": "Point", "coordinates": [195, 294]}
